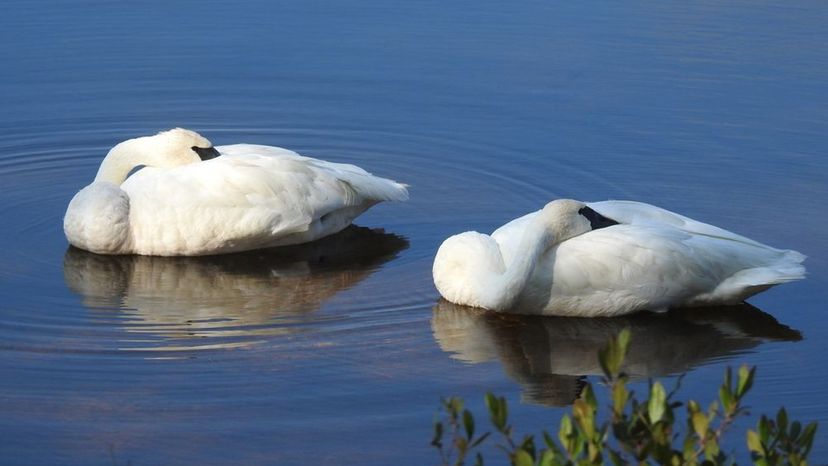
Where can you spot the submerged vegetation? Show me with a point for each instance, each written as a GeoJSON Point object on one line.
{"type": "Point", "coordinates": [644, 431]}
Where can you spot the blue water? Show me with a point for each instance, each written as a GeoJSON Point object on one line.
{"type": "Point", "coordinates": [487, 109]}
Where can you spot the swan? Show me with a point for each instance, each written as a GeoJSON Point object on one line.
{"type": "Point", "coordinates": [606, 258]}
{"type": "Point", "coordinates": [191, 198]}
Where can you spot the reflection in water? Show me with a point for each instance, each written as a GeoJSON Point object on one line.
{"type": "Point", "coordinates": [235, 295]}
{"type": "Point", "coordinates": [550, 356]}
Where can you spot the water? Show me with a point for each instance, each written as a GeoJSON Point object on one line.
{"type": "Point", "coordinates": [487, 109]}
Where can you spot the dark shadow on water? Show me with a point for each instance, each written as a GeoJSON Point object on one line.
{"type": "Point", "coordinates": [228, 295]}
{"type": "Point", "coordinates": [551, 356]}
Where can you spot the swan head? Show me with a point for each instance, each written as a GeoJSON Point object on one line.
{"type": "Point", "coordinates": [568, 218]}
{"type": "Point", "coordinates": [167, 149]}
{"type": "Point", "coordinates": [176, 147]}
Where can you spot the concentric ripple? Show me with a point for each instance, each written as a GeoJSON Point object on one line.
{"type": "Point", "coordinates": [338, 352]}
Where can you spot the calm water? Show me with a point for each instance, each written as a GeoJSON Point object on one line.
{"type": "Point", "coordinates": [340, 351]}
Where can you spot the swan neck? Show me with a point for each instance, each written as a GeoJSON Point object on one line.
{"type": "Point", "coordinates": [120, 160]}
{"type": "Point", "coordinates": [535, 242]}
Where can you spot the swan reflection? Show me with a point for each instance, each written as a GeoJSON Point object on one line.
{"type": "Point", "coordinates": [550, 356]}
{"type": "Point", "coordinates": [250, 294]}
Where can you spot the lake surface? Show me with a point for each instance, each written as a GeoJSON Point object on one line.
{"type": "Point", "coordinates": [339, 352]}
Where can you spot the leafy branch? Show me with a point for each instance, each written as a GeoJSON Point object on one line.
{"type": "Point", "coordinates": [641, 432]}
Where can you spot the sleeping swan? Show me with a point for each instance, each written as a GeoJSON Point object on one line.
{"type": "Point", "coordinates": [188, 201]}
{"type": "Point", "coordinates": [605, 259]}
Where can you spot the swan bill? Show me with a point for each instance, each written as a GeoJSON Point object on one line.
{"type": "Point", "coordinates": [206, 153]}
{"type": "Point", "coordinates": [596, 220]}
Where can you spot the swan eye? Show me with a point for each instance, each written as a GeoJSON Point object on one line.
{"type": "Point", "coordinates": [596, 220]}
{"type": "Point", "coordinates": [206, 153]}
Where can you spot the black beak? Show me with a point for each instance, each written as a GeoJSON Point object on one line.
{"type": "Point", "coordinates": [596, 220]}
{"type": "Point", "coordinates": [206, 153]}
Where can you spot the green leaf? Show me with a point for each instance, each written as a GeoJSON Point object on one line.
{"type": "Point", "coordinates": [700, 424]}
{"type": "Point", "coordinates": [624, 340]}
{"type": "Point", "coordinates": [504, 412]}
{"type": "Point", "coordinates": [522, 458]}
{"type": "Point", "coordinates": [711, 448]}
{"type": "Point", "coordinates": [468, 423]}
{"type": "Point", "coordinates": [478, 460]}
{"type": "Point", "coordinates": [689, 447]}
{"type": "Point", "coordinates": [796, 427]}
{"type": "Point", "coordinates": [584, 416]}
{"type": "Point", "coordinates": [547, 458]}
{"type": "Point", "coordinates": [589, 396]}
{"type": "Point", "coordinates": [528, 445]}
{"type": "Point", "coordinates": [754, 444]}
{"type": "Point", "coordinates": [454, 405]}
{"type": "Point", "coordinates": [616, 458]}
{"type": "Point", "coordinates": [807, 439]}
{"type": "Point", "coordinates": [728, 384]}
{"type": "Point", "coordinates": [612, 355]}
{"type": "Point", "coordinates": [498, 411]}
{"type": "Point", "coordinates": [565, 432]}
{"type": "Point", "coordinates": [491, 403]}
{"type": "Point", "coordinates": [547, 439]}
{"type": "Point", "coordinates": [657, 402]}
{"type": "Point", "coordinates": [693, 407]}
{"type": "Point", "coordinates": [462, 445]}
{"type": "Point", "coordinates": [764, 429]}
{"type": "Point", "coordinates": [782, 420]}
{"type": "Point", "coordinates": [438, 434]}
{"type": "Point", "coordinates": [745, 380]}
{"type": "Point", "coordinates": [620, 396]}
{"type": "Point", "coordinates": [726, 397]}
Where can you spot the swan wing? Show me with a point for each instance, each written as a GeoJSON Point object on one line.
{"type": "Point", "coordinates": [654, 259]}
{"type": "Point", "coordinates": [366, 185]}
{"type": "Point", "coordinates": [623, 268]}
{"type": "Point", "coordinates": [648, 266]}
{"type": "Point", "coordinates": [249, 196]}
{"type": "Point", "coordinates": [638, 213]}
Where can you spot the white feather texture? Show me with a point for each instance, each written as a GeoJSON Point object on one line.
{"type": "Point", "coordinates": [554, 262]}
{"type": "Point", "coordinates": [249, 197]}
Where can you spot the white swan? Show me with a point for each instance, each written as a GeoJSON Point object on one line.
{"type": "Point", "coordinates": [605, 259]}
{"type": "Point", "coordinates": [189, 201]}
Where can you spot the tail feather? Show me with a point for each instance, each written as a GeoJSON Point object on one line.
{"type": "Point", "coordinates": [378, 189]}
{"type": "Point", "coordinates": [365, 185]}
{"type": "Point", "coordinates": [750, 281]}
{"type": "Point", "coordinates": [787, 269]}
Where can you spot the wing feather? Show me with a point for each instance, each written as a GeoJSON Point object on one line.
{"type": "Point", "coordinates": [245, 192]}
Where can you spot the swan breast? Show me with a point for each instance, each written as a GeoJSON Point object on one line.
{"type": "Point", "coordinates": [97, 219]}
{"type": "Point", "coordinates": [463, 267]}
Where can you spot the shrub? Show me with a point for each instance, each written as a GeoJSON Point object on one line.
{"type": "Point", "coordinates": [635, 432]}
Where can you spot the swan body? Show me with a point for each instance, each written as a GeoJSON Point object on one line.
{"type": "Point", "coordinates": [188, 200]}
{"type": "Point", "coordinates": [604, 259]}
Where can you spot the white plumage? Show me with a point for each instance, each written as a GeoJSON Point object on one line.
{"type": "Point", "coordinates": [250, 197]}
{"type": "Point", "coordinates": [626, 257]}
